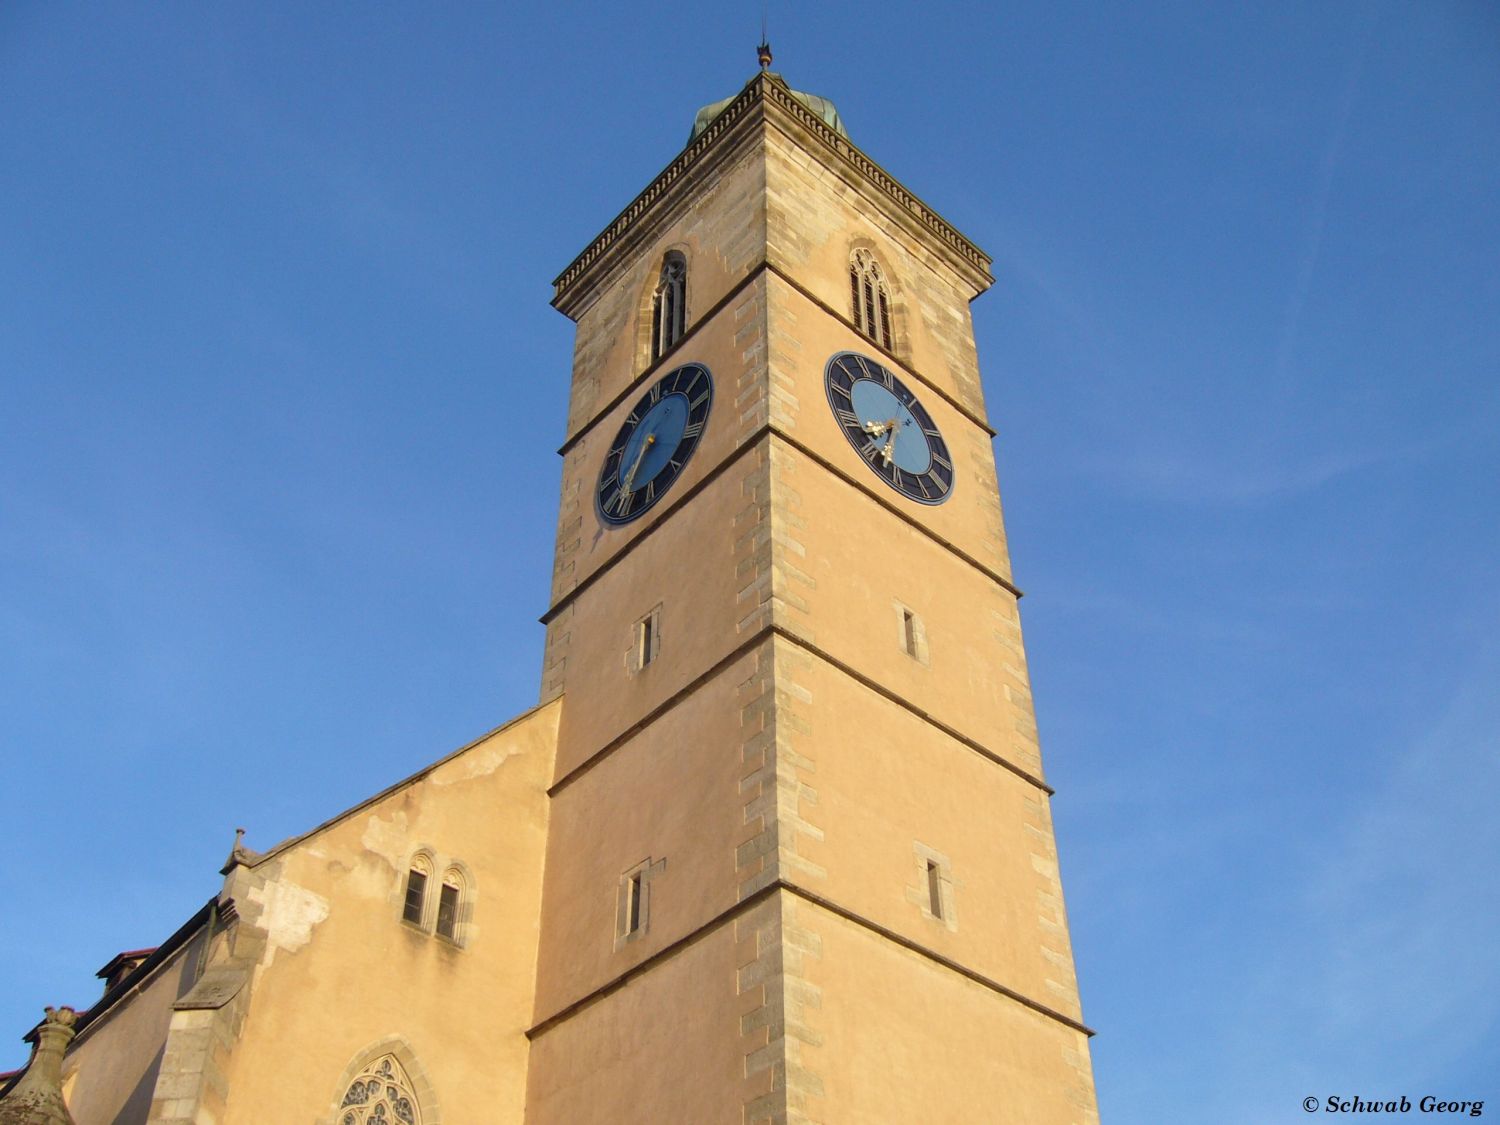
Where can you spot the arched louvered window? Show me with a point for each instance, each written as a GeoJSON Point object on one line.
{"type": "Point", "coordinates": [381, 1095]}
{"type": "Point", "coordinates": [669, 306]}
{"type": "Point", "coordinates": [870, 298]}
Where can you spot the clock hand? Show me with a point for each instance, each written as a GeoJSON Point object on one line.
{"type": "Point", "coordinates": [628, 484]}
{"type": "Point", "coordinates": [892, 427]}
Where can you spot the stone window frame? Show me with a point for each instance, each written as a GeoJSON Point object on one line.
{"type": "Point", "coordinates": [645, 641]}
{"type": "Point", "coordinates": [421, 1084]}
{"type": "Point", "coordinates": [634, 898]}
{"type": "Point", "coordinates": [934, 867]}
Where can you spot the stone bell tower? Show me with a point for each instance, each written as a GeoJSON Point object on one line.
{"type": "Point", "coordinates": [800, 863]}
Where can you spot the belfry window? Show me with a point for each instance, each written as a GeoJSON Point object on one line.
{"type": "Point", "coordinates": [869, 298]}
{"type": "Point", "coordinates": [669, 306]}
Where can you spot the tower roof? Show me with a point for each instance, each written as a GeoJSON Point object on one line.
{"type": "Point", "coordinates": [826, 111]}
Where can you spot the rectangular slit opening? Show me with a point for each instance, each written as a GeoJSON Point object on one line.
{"type": "Point", "coordinates": [934, 889]}
{"type": "Point", "coordinates": [633, 903]}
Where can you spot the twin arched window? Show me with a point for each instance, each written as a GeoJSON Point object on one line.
{"type": "Point", "coordinates": [669, 305]}
{"type": "Point", "coordinates": [453, 904]}
{"type": "Point", "coordinates": [870, 298]}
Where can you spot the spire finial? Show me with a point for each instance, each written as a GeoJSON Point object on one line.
{"type": "Point", "coordinates": [763, 52]}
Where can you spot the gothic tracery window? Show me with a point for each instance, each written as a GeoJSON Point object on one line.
{"type": "Point", "coordinates": [382, 1094]}
{"type": "Point", "coordinates": [870, 298]}
{"type": "Point", "coordinates": [669, 306]}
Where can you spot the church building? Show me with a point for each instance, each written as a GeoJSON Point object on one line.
{"type": "Point", "coordinates": [775, 845]}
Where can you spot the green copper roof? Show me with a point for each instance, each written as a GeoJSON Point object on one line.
{"type": "Point", "coordinates": [824, 108]}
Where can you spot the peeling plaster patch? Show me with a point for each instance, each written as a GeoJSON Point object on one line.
{"type": "Point", "coordinates": [387, 838]}
{"type": "Point", "coordinates": [288, 915]}
{"type": "Point", "coordinates": [476, 763]}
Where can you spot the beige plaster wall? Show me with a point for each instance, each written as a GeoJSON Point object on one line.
{"type": "Point", "coordinates": [111, 1067]}
{"type": "Point", "coordinates": [890, 788]}
{"type": "Point", "coordinates": [670, 794]}
{"type": "Point", "coordinates": [666, 1047]}
{"type": "Point", "coordinates": [900, 1038]}
{"type": "Point", "coordinates": [687, 568]}
{"type": "Point", "coordinates": [863, 566]}
{"type": "Point", "coordinates": [338, 970]}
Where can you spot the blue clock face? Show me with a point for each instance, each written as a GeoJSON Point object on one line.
{"type": "Point", "coordinates": [654, 444]}
{"type": "Point", "coordinates": [889, 428]}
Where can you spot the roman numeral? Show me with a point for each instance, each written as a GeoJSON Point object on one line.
{"type": "Point", "coordinates": [692, 430]}
{"type": "Point", "coordinates": [938, 458]}
{"type": "Point", "coordinates": [655, 392]}
{"type": "Point", "coordinates": [699, 401]}
{"type": "Point", "coordinates": [847, 417]}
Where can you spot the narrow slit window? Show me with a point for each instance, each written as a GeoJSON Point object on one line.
{"type": "Point", "coordinates": [647, 638]}
{"type": "Point", "coordinates": [645, 641]}
{"type": "Point", "coordinates": [416, 896]}
{"type": "Point", "coordinates": [634, 889]}
{"type": "Point", "coordinates": [909, 632]}
{"type": "Point", "coordinates": [447, 915]}
{"type": "Point", "coordinates": [934, 889]}
{"type": "Point", "coordinates": [633, 908]}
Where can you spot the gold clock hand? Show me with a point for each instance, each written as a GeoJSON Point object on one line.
{"type": "Point", "coordinates": [628, 484]}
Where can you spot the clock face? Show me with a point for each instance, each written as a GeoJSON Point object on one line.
{"type": "Point", "coordinates": [654, 443]}
{"type": "Point", "coordinates": [889, 428]}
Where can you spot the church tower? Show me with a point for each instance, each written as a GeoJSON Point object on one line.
{"type": "Point", "coordinates": [800, 862]}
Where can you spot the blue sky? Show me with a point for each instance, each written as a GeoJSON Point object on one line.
{"type": "Point", "coordinates": [280, 390]}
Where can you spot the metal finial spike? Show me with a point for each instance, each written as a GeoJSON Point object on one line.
{"type": "Point", "coordinates": [763, 54]}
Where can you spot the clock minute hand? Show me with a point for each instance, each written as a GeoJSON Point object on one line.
{"type": "Point", "coordinates": [628, 484]}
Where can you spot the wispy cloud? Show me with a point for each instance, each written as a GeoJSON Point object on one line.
{"type": "Point", "coordinates": [1317, 215]}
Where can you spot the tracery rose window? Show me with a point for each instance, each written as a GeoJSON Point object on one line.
{"type": "Point", "coordinates": [381, 1095]}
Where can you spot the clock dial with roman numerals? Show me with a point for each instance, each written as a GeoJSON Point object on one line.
{"type": "Point", "coordinates": [654, 443]}
{"type": "Point", "coordinates": [889, 428]}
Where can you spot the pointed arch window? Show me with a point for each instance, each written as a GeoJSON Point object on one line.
{"type": "Point", "coordinates": [451, 905]}
{"type": "Point", "coordinates": [382, 1094]}
{"type": "Point", "coordinates": [418, 875]}
{"type": "Point", "coordinates": [669, 306]}
{"type": "Point", "coordinates": [870, 298]}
